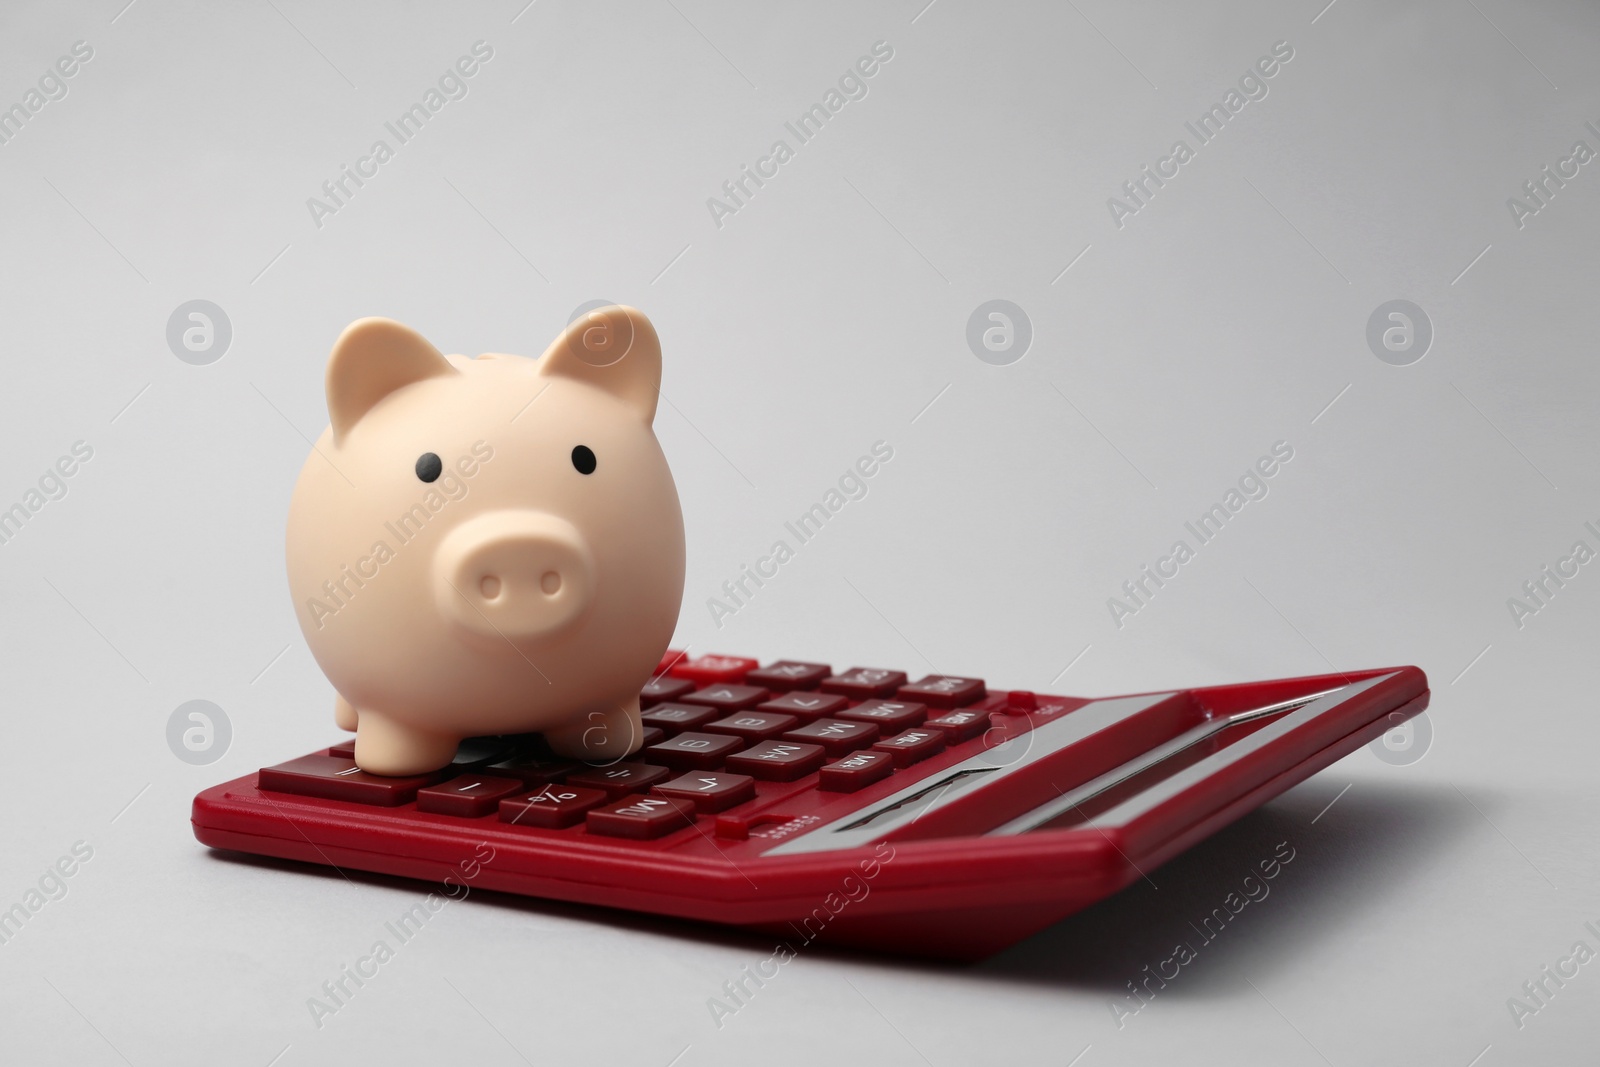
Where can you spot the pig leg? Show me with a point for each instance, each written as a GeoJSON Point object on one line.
{"type": "Point", "coordinates": [343, 714]}
{"type": "Point", "coordinates": [384, 746]}
{"type": "Point", "coordinates": [608, 733]}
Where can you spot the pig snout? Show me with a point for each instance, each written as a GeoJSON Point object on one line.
{"type": "Point", "coordinates": [513, 574]}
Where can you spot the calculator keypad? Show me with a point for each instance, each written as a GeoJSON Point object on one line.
{"type": "Point", "coordinates": [338, 778]}
{"type": "Point", "coordinates": [619, 779]}
{"type": "Point", "coordinates": [944, 691]}
{"type": "Point", "coordinates": [726, 698]}
{"type": "Point", "coordinates": [552, 807]}
{"type": "Point", "coordinates": [710, 670]}
{"type": "Point", "coordinates": [694, 751]}
{"type": "Point", "coordinates": [753, 726]}
{"type": "Point", "coordinates": [856, 771]}
{"type": "Point", "coordinates": [788, 674]}
{"type": "Point", "coordinates": [778, 761]}
{"type": "Point", "coordinates": [710, 791]}
{"type": "Point", "coordinates": [641, 818]}
{"type": "Point", "coordinates": [890, 715]}
{"type": "Point", "coordinates": [660, 690]}
{"type": "Point", "coordinates": [863, 683]}
{"type": "Point", "coordinates": [806, 706]}
{"type": "Point", "coordinates": [959, 726]}
{"type": "Point", "coordinates": [718, 732]}
{"type": "Point", "coordinates": [677, 717]}
{"type": "Point", "coordinates": [468, 796]}
{"type": "Point", "coordinates": [836, 736]}
{"type": "Point", "coordinates": [911, 746]}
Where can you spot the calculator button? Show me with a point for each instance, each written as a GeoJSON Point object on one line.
{"type": "Point", "coordinates": [753, 725]}
{"type": "Point", "coordinates": [836, 736]}
{"type": "Point", "coordinates": [468, 796]}
{"type": "Point", "coordinates": [788, 674]}
{"type": "Point", "coordinates": [855, 771]}
{"type": "Point", "coordinates": [534, 770]}
{"type": "Point", "coordinates": [675, 717]}
{"type": "Point", "coordinates": [652, 735]}
{"type": "Point", "coordinates": [660, 690]}
{"type": "Point", "coordinates": [890, 715]}
{"type": "Point", "coordinates": [710, 791]}
{"type": "Point", "coordinates": [912, 745]}
{"type": "Point", "coordinates": [709, 670]}
{"type": "Point", "coordinates": [641, 818]}
{"type": "Point", "coordinates": [959, 726]}
{"type": "Point", "coordinates": [806, 705]}
{"type": "Point", "coordinates": [777, 761]}
{"type": "Point", "coordinates": [338, 778]}
{"type": "Point", "coordinates": [862, 683]}
{"type": "Point", "coordinates": [944, 691]}
{"type": "Point", "coordinates": [727, 698]}
{"type": "Point", "coordinates": [694, 751]}
{"type": "Point", "coordinates": [552, 807]}
{"type": "Point", "coordinates": [619, 779]}
{"type": "Point", "coordinates": [1021, 700]}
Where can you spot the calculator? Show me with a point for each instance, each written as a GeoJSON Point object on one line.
{"type": "Point", "coordinates": [936, 817]}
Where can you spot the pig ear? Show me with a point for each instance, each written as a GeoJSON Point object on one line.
{"type": "Point", "coordinates": [613, 348]}
{"type": "Point", "coordinates": [371, 359]}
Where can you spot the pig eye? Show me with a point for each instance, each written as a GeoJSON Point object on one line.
{"type": "Point", "coordinates": [583, 459]}
{"type": "Point", "coordinates": [429, 466]}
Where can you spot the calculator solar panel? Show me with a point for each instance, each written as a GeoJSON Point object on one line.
{"type": "Point", "coordinates": [935, 817]}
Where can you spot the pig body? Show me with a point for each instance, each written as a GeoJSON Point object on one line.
{"type": "Point", "coordinates": [490, 545]}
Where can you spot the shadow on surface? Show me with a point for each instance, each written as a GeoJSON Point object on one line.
{"type": "Point", "coordinates": [1372, 841]}
{"type": "Point", "coordinates": [1368, 845]}
{"type": "Point", "coordinates": [655, 925]}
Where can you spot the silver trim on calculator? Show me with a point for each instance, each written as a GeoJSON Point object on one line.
{"type": "Point", "coordinates": [994, 765]}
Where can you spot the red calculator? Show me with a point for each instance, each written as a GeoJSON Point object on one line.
{"type": "Point", "coordinates": [933, 817]}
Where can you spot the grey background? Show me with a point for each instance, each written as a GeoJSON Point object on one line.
{"type": "Point", "coordinates": [829, 313]}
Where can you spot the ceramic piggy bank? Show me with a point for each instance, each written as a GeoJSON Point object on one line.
{"type": "Point", "coordinates": [488, 546]}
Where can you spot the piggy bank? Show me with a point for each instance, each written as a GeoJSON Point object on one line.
{"type": "Point", "coordinates": [488, 546]}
